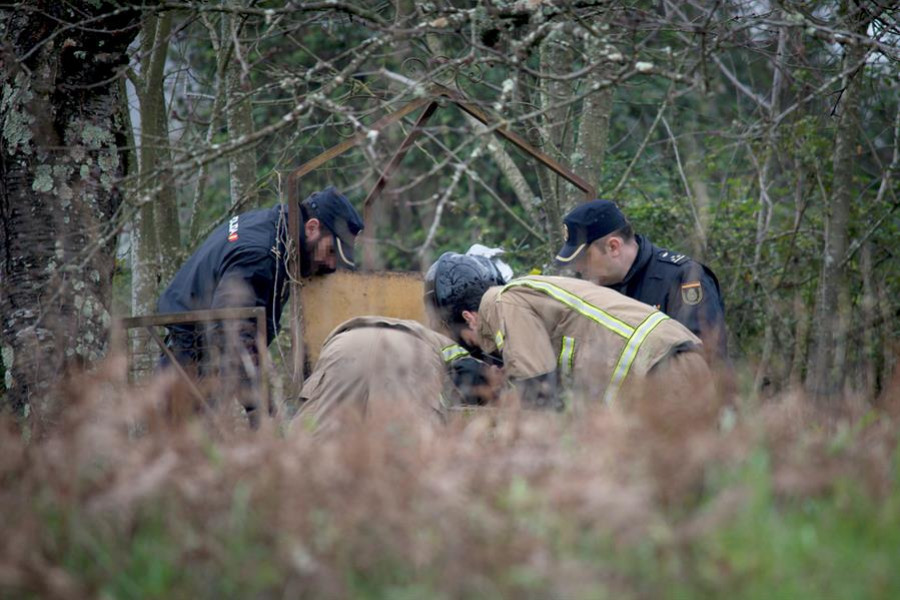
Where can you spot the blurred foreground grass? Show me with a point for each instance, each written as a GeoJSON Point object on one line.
{"type": "Point", "coordinates": [793, 502]}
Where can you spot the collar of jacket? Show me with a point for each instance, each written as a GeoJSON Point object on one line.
{"type": "Point", "coordinates": [645, 253]}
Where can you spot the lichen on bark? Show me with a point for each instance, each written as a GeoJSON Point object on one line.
{"type": "Point", "coordinates": [59, 173]}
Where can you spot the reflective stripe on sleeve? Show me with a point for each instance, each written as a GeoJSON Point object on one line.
{"type": "Point", "coordinates": [629, 352]}
{"type": "Point", "coordinates": [452, 352]}
{"type": "Point", "coordinates": [498, 339]}
{"type": "Point", "coordinates": [577, 304]}
{"type": "Point", "coordinates": [566, 356]}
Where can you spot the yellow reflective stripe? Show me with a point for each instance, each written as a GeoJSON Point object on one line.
{"type": "Point", "coordinates": [498, 339]}
{"type": "Point", "coordinates": [577, 304]}
{"type": "Point", "coordinates": [629, 352]}
{"type": "Point", "coordinates": [566, 355]}
{"type": "Point", "coordinates": [453, 352]}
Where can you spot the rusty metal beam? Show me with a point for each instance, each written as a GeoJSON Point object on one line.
{"type": "Point", "coordinates": [196, 316]}
{"type": "Point", "coordinates": [262, 354]}
{"type": "Point", "coordinates": [410, 139]}
{"type": "Point", "coordinates": [437, 91]}
{"type": "Point", "coordinates": [149, 322]}
{"type": "Point", "coordinates": [434, 92]}
{"type": "Point", "coordinates": [195, 391]}
{"type": "Point", "coordinates": [292, 247]}
{"type": "Point", "coordinates": [354, 140]}
{"type": "Point", "coordinates": [520, 142]}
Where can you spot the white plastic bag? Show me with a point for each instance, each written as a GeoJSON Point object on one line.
{"type": "Point", "coordinates": [493, 254]}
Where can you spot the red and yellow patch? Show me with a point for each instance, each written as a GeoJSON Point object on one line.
{"type": "Point", "coordinates": [692, 293]}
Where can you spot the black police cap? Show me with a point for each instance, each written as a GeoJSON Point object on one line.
{"type": "Point", "coordinates": [341, 219]}
{"type": "Point", "coordinates": [588, 222]}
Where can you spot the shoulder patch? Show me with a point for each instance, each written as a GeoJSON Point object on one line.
{"type": "Point", "coordinates": [672, 257]}
{"type": "Point", "coordinates": [692, 292]}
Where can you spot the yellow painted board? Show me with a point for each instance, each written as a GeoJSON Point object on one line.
{"type": "Point", "coordinates": [329, 301]}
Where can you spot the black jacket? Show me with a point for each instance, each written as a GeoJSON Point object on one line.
{"type": "Point", "coordinates": [682, 288]}
{"type": "Point", "coordinates": [242, 263]}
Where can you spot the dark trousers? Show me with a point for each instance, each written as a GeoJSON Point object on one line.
{"type": "Point", "coordinates": [205, 351]}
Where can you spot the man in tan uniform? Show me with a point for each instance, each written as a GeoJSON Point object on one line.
{"type": "Point", "coordinates": [379, 367]}
{"type": "Point", "coordinates": [557, 330]}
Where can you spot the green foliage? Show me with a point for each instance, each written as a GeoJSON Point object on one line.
{"type": "Point", "coordinates": [842, 546]}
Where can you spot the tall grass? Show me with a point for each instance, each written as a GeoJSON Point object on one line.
{"type": "Point", "coordinates": [791, 502]}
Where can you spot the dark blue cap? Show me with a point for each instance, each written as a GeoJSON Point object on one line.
{"type": "Point", "coordinates": [341, 219]}
{"type": "Point", "coordinates": [588, 222]}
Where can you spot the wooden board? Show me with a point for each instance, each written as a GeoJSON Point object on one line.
{"type": "Point", "coordinates": [329, 301]}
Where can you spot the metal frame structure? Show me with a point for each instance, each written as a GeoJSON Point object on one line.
{"type": "Point", "coordinates": [437, 94]}
{"type": "Point", "coordinates": [151, 322]}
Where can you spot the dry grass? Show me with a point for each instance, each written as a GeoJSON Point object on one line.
{"type": "Point", "coordinates": [596, 504]}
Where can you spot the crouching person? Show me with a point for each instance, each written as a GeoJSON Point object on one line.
{"type": "Point", "coordinates": [382, 368]}
{"type": "Point", "coordinates": [556, 332]}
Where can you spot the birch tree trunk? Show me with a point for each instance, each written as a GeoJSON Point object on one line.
{"type": "Point", "coordinates": [60, 162]}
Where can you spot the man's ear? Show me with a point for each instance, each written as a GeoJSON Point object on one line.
{"type": "Point", "coordinates": [471, 319]}
{"type": "Point", "coordinates": [614, 245]}
{"type": "Point", "coordinates": [311, 228]}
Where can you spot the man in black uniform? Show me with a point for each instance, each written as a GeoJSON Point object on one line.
{"type": "Point", "coordinates": [243, 263]}
{"type": "Point", "coordinates": [603, 248]}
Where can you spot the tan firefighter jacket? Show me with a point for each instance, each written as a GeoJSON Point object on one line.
{"type": "Point", "coordinates": [372, 364]}
{"type": "Point", "coordinates": [597, 338]}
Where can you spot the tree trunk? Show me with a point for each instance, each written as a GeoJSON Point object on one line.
{"type": "Point", "coordinates": [801, 337]}
{"type": "Point", "coordinates": [215, 38]}
{"type": "Point", "coordinates": [888, 339]}
{"type": "Point", "coordinates": [869, 350]}
{"type": "Point", "coordinates": [239, 115]}
{"type": "Point", "coordinates": [826, 372]}
{"type": "Point", "coordinates": [555, 130]}
{"type": "Point", "coordinates": [766, 204]}
{"type": "Point", "coordinates": [583, 146]}
{"type": "Point", "coordinates": [156, 234]}
{"type": "Point", "coordinates": [168, 230]}
{"type": "Point", "coordinates": [59, 167]}
{"type": "Point", "coordinates": [593, 127]}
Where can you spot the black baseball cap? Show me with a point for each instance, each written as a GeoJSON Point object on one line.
{"type": "Point", "coordinates": [588, 222]}
{"type": "Point", "coordinates": [338, 215]}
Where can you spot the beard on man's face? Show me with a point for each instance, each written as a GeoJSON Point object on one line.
{"type": "Point", "coordinates": [320, 257]}
{"type": "Point", "coordinates": [322, 269]}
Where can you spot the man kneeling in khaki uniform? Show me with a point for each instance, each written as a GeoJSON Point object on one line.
{"type": "Point", "coordinates": [553, 331]}
{"type": "Point", "coordinates": [372, 366]}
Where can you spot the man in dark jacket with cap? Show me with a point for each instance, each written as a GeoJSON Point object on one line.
{"type": "Point", "coordinates": [603, 248]}
{"type": "Point", "coordinates": [243, 263]}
